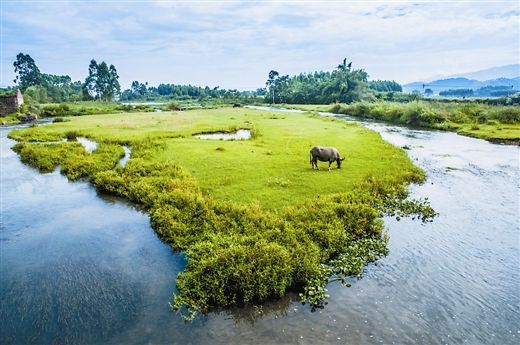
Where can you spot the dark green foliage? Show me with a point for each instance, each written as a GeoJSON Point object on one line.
{"type": "Point", "coordinates": [28, 74]}
{"type": "Point", "coordinates": [486, 91]}
{"type": "Point", "coordinates": [42, 87]}
{"type": "Point", "coordinates": [101, 82]}
{"type": "Point", "coordinates": [385, 86]}
{"type": "Point", "coordinates": [167, 92]}
{"type": "Point", "coordinates": [341, 85]}
{"type": "Point", "coordinates": [496, 91]}
{"type": "Point", "coordinates": [59, 119]}
{"type": "Point", "coordinates": [457, 93]}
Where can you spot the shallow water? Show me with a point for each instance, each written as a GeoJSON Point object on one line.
{"type": "Point", "coordinates": [241, 134]}
{"type": "Point", "coordinates": [122, 162]}
{"type": "Point", "coordinates": [89, 145]}
{"type": "Point", "coordinates": [79, 267]}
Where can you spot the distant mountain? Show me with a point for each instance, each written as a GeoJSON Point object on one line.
{"type": "Point", "coordinates": [497, 76]}
{"type": "Point", "coordinates": [508, 71]}
{"type": "Point", "coordinates": [460, 83]}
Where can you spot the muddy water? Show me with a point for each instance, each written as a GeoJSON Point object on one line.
{"type": "Point", "coordinates": [78, 267]}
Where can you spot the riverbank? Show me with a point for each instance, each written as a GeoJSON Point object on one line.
{"type": "Point", "coordinates": [495, 123]}
{"type": "Point", "coordinates": [255, 220]}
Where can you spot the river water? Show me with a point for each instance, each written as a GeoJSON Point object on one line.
{"type": "Point", "coordinates": [78, 267]}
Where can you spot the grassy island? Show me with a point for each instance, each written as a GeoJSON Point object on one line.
{"type": "Point", "coordinates": [251, 215]}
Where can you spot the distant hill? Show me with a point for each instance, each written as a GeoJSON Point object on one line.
{"type": "Point", "coordinates": [508, 75]}
{"type": "Point", "coordinates": [508, 71]}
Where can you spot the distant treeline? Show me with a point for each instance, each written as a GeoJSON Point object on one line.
{"type": "Point", "coordinates": [486, 91]}
{"type": "Point", "coordinates": [142, 92]}
{"type": "Point", "coordinates": [101, 83]}
{"type": "Point", "coordinates": [385, 86]}
{"type": "Point", "coordinates": [341, 85]}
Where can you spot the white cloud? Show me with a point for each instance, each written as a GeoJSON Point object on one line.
{"type": "Point", "coordinates": [235, 44]}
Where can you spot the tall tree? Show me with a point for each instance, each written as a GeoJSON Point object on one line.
{"type": "Point", "coordinates": [90, 90]}
{"type": "Point", "coordinates": [273, 75]}
{"type": "Point", "coordinates": [341, 85]}
{"type": "Point", "coordinates": [114, 88]}
{"type": "Point", "coordinates": [28, 74]}
{"type": "Point", "coordinates": [102, 81]}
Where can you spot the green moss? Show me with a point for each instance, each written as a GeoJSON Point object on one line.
{"type": "Point", "coordinates": [252, 216]}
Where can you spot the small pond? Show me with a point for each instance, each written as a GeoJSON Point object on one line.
{"type": "Point", "coordinates": [241, 134]}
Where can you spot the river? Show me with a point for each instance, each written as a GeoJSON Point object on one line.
{"type": "Point", "coordinates": [78, 267]}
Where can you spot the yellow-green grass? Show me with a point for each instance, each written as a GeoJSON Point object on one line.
{"type": "Point", "coordinates": [507, 133]}
{"type": "Point", "coordinates": [271, 169]}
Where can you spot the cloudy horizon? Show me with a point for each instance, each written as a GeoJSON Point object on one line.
{"type": "Point", "coordinates": [234, 44]}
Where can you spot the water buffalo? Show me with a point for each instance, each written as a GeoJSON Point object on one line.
{"type": "Point", "coordinates": [325, 154]}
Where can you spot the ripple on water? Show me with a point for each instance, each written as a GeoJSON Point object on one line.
{"type": "Point", "coordinates": [71, 301]}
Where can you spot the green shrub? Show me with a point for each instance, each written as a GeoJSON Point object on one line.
{"type": "Point", "coordinates": [507, 114]}
{"type": "Point", "coordinates": [72, 135]}
{"type": "Point", "coordinates": [430, 114]}
{"type": "Point", "coordinates": [173, 106]}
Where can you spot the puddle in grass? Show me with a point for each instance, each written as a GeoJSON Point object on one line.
{"type": "Point", "coordinates": [241, 134]}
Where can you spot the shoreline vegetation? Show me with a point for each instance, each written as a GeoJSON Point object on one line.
{"type": "Point", "coordinates": [494, 123]}
{"type": "Point", "coordinates": [254, 220]}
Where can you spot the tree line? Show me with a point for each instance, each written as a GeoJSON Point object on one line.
{"type": "Point", "coordinates": [485, 91]}
{"type": "Point", "coordinates": [143, 92]}
{"type": "Point", "coordinates": [101, 82]}
{"type": "Point", "coordinates": [342, 85]}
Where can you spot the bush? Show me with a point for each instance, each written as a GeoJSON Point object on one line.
{"type": "Point", "coordinates": [507, 114]}
{"type": "Point", "coordinates": [430, 114]}
{"type": "Point", "coordinates": [56, 110]}
{"type": "Point", "coordinates": [173, 106]}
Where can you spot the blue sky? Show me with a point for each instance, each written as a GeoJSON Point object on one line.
{"type": "Point", "coordinates": [234, 44]}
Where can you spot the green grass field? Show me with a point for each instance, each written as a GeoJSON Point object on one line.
{"type": "Point", "coordinates": [252, 216]}
{"type": "Point", "coordinates": [272, 169]}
